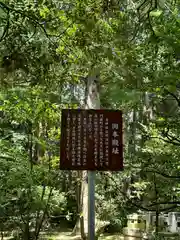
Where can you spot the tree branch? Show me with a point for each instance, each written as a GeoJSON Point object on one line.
{"type": "Point", "coordinates": [167, 141]}
{"type": "Point", "coordinates": [164, 203]}
{"type": "Point", "coordinates": [44, 214]}
{"type": "Point", "coordinates": [162, 174]}
{"type": "Point", "coordinates": [148, 209]}
{"type": "Point", "coordinates": [172, 138]}
{"type": "Point", "coordinates": [6, 28]}
{"type": "Point", "coordinates": [33, 19]}
{"type": "Point", "coordinates": [174, 96]}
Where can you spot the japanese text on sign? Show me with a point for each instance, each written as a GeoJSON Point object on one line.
{"type": "Point", "coordinates": [91, 140]}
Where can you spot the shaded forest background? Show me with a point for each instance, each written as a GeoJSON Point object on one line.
{"type": "Point", "coordinates": [47, 51]}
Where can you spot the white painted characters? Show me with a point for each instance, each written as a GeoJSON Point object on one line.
{"type": "Point", "coordinates": [115, 140]}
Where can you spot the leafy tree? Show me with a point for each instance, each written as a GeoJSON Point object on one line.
{"type": "Point", "coordinates": [48, 49]}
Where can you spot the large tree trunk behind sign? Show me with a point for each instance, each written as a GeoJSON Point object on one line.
{"type": "Point", "coordinates": [82, 200]}
{"type": "Point", "coordinates": [92, 101]}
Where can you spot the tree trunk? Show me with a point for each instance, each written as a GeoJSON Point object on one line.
{"type": "Point", "coordinates": [92, 101]}
{"type": "Point", "coordinates": [27, 231]}
{"type": "Point", "coordinates": [157, 223]}
{"type": "Point", "coordinates": [157, 207]}
{"type": "Point", "coordinates": [81, 198]}
{"type": "Point", "coordinates": [41, 220]}
{"type": "Point", "coordinates": [84, 206]}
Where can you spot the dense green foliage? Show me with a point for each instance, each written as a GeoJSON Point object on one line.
{"type": "Point", "coordinates": [47, 50]}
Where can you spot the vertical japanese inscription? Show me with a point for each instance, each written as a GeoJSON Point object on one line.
{"type": "Point", "coordinates": [90, 125]}
{"type": "Point", "coordinates": [115, 140]}
{"type": "Point", "coordinates": [79, 139]}
{"type": "Point", "coordinates": [96, 129]}
{"type": "Point", "coordinates": [84, 140]}
{"type": "Point", "coordinates": [106, 141]}
{"type": "Point", "coordinates": [73, 144]}
{"type": "Point", "coordinates": [68, 137]}
{"type": "Point", "coordinates": [101, 140]}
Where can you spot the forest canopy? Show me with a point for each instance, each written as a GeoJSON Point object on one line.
{"type": "Point", "coordinates": [48, 49]}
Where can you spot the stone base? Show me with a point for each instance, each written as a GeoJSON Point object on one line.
{"type": "Point", "coordinates": [132, 238]}
{"type": "Point", "coordinates": [133, 232]}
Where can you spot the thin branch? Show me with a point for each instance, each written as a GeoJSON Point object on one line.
{"type": "Point", "coordinates": [174, 96]}
{"type": "Point", "coordinates": [150, 24]}
{"type": "Point", "coordinates": [164, 203]}
{"type": "Point", "coordinates": [162, 174]}
{"type": "Point", "coordinates": [172, 138]}
{"type": "Point", "coordinates": [168, 208]}
{"type": "Point", "coordinates": [141, 5]}
{"type": "Point", "coordinates": [33, 19]}
{"type": "Point", "coordinates": [148, 7]}
{"type": "Point", "coordinates": [167, 141]}
{"type": "Point", "coordinates": [38, 212]}
{"type": "Point", "coordinates": [8, 8]}
{"type": "Point", "coordinates": [140, 206]}
{"type": "Point", "coordinates": [6, 28]}
{"type": "Point", "coordinates": [44, 213]}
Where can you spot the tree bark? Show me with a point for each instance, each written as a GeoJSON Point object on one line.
{"type": "Point", "coordinates": [92, 101]}
{"type": "Point", "coordinates": [81, 198]}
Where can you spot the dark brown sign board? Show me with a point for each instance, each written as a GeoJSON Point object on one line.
{"type": "Point", "coordinates": [91, 140]}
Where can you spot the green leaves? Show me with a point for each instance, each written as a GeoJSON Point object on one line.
{"type": "Point", "coordinates": [44, 11]}
{"type": "Point", "coordinates": [156, 13]}
{"type": "Point", "coordinates": [47, 52]}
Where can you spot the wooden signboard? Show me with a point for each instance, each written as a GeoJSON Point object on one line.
{"type": "Point", "coordinates": [91, 140]}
